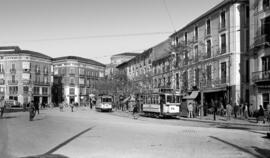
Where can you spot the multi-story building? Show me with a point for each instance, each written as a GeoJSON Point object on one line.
{"type": "Point", "coordinates": [117, 60]}
{"type": "Point", "coordinates": [75, 78]}
{"type": "Point", "coordinates": [260, 52]}
{"type": "Point", "coordinates": [25, 75]}
{"type": "Point", "coordinates": [211, 52]}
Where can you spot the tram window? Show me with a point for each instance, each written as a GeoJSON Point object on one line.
{"type": "Point", "coordinates": [106, 100]}
{"type": "Point", "coordinates": [162, 99]}
{"type": "Point", "coordinates": [178, 99]}
{"type": "Point", "coordinates": [148, 100]}
{"type": "Point", "coordinates": [169, 99]}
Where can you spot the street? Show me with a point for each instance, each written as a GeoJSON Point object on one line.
{"type": "Point", "coordinates": [86, 133]}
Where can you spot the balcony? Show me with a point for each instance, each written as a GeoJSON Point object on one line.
{"type": "Point", "coordinates": [262, 40]}
{"type": "Point", "coordinates": [261, 76]}
{"type": "Point", "coordinates": [217, 83]}
{"type": "Point", "coordinates": [12, 70]}
{"type": "Point", "coordinates": [26, 82]}
{"type": "Point", "coordinates": [41, 83]}
{"type": "Point", "coordinates": [13, 82]}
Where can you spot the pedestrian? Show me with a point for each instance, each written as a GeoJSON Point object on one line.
{"type": "Point", "coordinates": [2, 106]}
{"type": "Point", "coordinates": [246, 111]}
{"type": "Point", "coordinates": [36, 107]}
{"type": "Point", "coordinates": [32, 110]}
{"type": "Point", "coordinates": [260, 116]}
{"type": "Point", "coordinates": [228, 111]}
{"type": "Point", "coordinates": [215, 105]}
{"type": "Point", "coordinates": [91, 103]}
{"type": "Point", "coordinates": [235, 110]}
{"type": "Point", "coordinates": [61, 106]}
{"type": "Point", "coordinates": [190, 110]}
{"type": "Point", "coordinates": [134, 111]}
{"type": "Point", "coordinates": [71, 106]}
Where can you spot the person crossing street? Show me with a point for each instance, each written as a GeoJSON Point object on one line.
{"type": "Point", "coordinates": [2, 106]}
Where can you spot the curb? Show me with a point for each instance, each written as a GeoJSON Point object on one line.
{"type": "Point", "coordinates": [227, 123]}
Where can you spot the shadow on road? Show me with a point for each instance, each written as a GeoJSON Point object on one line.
{"type": "Point", "coordinates": [49, 153]}
{"type": "Point", "coordinates": [263, 152]}
{"type": "Point", "coordinates": [232, 127]}
{"type": "Point", "coordinates": [8, 117]}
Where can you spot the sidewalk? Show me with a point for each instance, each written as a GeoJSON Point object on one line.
{"type": "Point", "coordinates": [222, 120]}
{"type": "Point", "coordinates": [209, 119]}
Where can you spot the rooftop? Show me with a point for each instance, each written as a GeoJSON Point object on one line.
{"type": "Point", "coordinates": [85, 60]}
{"type": "Point", "coordinates": [10, 50]}
{"type": "Point", "coordinates": [127, 54]}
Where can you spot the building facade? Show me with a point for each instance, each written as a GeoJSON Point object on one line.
{"type": "Point", "coordinates": [211, 52]}
{"type": "Point", "coordinates": [75, 78]}
{"type": "Point", "coordinates": [25, 75]}
{"type": "Point", "coordinates": [117, 60]}
{"type": "Point", "coordinates": [260, 52]}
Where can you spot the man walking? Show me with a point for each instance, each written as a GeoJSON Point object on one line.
{"type": "Point", "coordinates": [36, 105]}
{"type": "Point", "coordinates": [2, 106]}
{"type": "Point", "coordinates": [31, 110]}
{"type": "Point", "coordinates": [190, 110]}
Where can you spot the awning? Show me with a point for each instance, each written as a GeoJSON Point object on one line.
{"type": "Point", "coordinates": [214, 90]}
{"type": "Point", "coordinates": [193, 95]}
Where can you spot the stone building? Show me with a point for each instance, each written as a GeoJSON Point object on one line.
{"type": "Point", "coordinates": [75, 78]}
{"type": "Point", "coordinates": [211, 53]}
{"type": "Point", "coordinates": [116, 60]}
{"type": "Point", "coordinates": [25, 75]}
{"type": "Point", "coordinates": [260, 53]}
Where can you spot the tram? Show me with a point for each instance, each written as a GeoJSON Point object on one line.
{"type": "Point", "coordinates": [104, 103]}
{"type": "Point", "coordinates": [163, 103]}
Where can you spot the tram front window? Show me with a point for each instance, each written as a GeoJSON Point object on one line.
{"type": "Point", "coordinates": [106, 100]}
{"type": "Point", "coordinates": [170, 99]}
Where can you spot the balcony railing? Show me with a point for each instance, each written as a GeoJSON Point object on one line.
{"type": "Point", "coordinates": [262, 40]}
{"type": "Point", "coordinates": [26, 82]}
{"type": "Point", "coordinates": [218, 83]}
{"type": "Point", "coordinates": [13, 82]}
{"type": "Point", "coordinates": [261, 76]}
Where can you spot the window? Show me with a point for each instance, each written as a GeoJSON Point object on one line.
{"type": "Point", "coordinates": [13, 89]}
{"type": "Point", "coordinates": [265, 31]}
{"type": "Point", "coordinates": [71, 91]}
{"type": "Point", "coordinates": [223, 43]}
{"type": "Point", "coordinates": [196, 33]}
{"type": "Point", "coordinates": [208, 27]}
{"type": "Point", "coordinates": [222, 19]}
{"type": "Point", "coordinates": [13, 66]}
{"type": "Point", "coordinates": [1, 68]}
{"type": "Point", "coordinates": [266, 63]}
{"type": "Point", "coordinates": [81, 80]}
{"type": "Point", "coordinates": [186, 58]}
{"type": "Point", "coordinates": [81, 71]}
{"type": "Point", "coordinates": [197, 77]}
{"type": "Point", "coordinates": [44, 90]}
{"type": "Point", "coordinates": [223, 72]}
{"type": "Point", "coordinates": [196, 53]}
{"type": "Point", "coordinates": [25, 89]}
{"type": "Point", "coordinates": [45, 79]}
{"type": "Point", "coordinates": [185, 38]}
{"type": "Point", "coordinates": [209, 73]}
{"type": "Point", "coordinates": [72, 81]}
{"type": "Point", "coordinates": [46, 70]}
{"type": "Point", "coordinates": [266, 100]}
{"type": "Point", "coordinates": [266, 4]}
{"type": "Point", "coordinates": [13, 78]}
{"type": "Point", "coordinates": [36, 90]}
{"type": "Point", "coordinates": [72, 71]}
{"type": "Point", "coordinates": [208, 48]}
{"type": "Point", "coordinates": [37, 68]}
{"type": "Point", "coordinates": [177, 81]}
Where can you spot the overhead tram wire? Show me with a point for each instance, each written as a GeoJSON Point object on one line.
{"type": "Point", "coordinates": [91, 37]}
{"type": "Point", "coordinates": [169, 15]}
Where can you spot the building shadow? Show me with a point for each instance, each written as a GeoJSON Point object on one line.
{"type": "Point", "coordinates": [256, 155]}
{"type": "Point", "coordinates": [261, 151]}
{"type": "Point", "coordinates": [49, 154]}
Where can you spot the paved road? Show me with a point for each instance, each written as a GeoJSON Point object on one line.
{"type": "Point", "coordinates": [85, 134]}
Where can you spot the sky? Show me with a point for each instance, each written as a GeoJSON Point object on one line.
{"type": "Point", "coordinates": [95, 29]}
